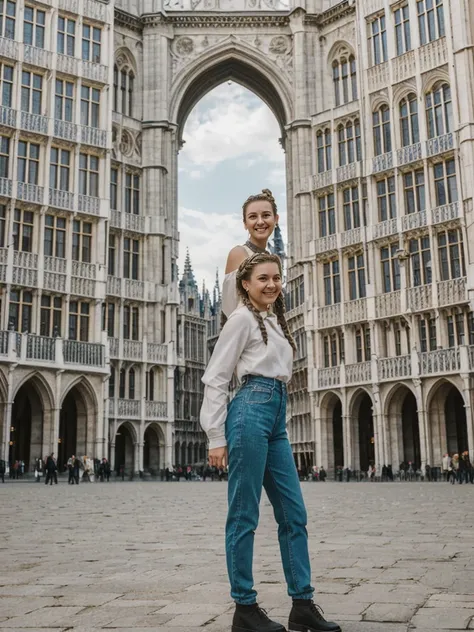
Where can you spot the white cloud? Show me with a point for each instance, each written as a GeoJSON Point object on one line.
{"type": "Point", "coordinates": [209, 237]}
{"type": "Point", "coordinates": [229, 124]}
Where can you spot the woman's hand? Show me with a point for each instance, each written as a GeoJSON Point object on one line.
{"type": "Point", "coordinates": [218, 457]}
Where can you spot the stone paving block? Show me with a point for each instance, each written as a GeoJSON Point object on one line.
{"type": "Point", "coordinates": [389, 612]}
{"type": "Point", "coordinates": [44, 617]}
{"type": "Point", "coordinates": [13, 607]}
{"type": "Point", "coordinates": [443, 618]}
{"type": "Point", "coordinates": [151, 620]}
{"type": "Point", "coordinates": [190, 608]}
{"type": "Point", "coordinates": [187, 620]}
{"type": "Point", "coordinates": [87, 599]}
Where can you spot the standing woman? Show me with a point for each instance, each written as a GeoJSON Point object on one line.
{"type": "Point", "coordinates": [260, 217]}
{"type": "Point", "coordinates": [256, 343]}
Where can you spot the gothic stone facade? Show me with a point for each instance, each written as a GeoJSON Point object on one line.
{"type": "Point", "coordinates": [375, 110]}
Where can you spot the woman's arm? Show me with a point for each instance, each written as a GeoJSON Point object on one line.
{"type": "Point", "coordinates": [230, 345]}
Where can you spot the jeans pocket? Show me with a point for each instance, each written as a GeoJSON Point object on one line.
{"type": "Point", "coordinates": [260, 395]}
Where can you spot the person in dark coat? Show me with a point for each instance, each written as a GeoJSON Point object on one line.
{"type": "Point", "coordinates": [51, 470]}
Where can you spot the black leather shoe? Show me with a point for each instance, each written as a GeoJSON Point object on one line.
{"type": "Point", "coordinates": [306, 616]}
{"type": "Point", "coordinates": [254, 619]}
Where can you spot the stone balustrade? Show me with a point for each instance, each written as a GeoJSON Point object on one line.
{"type": "Point", "coordinates": [33, 350]}
{"type": "Point", "coordinates": [388, 304]}
{"type": "Point", "coordinates": [445, 213]}
{"type": "Point", "coordinates": [151, 352]}
{"type": "Point", "coordinates": [329, 316]}
{"type": "Point", "coordinates": [398, 367]}
{"type": "Point", "coordinates": [452, 292]}
{"type": "Point", "coordinates": [441, 361]}
{"type": "Point", "coordinates": [330, 377]}
{"type": "Point", "coordinates": [414, 220]}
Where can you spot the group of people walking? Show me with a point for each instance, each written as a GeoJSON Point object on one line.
{"type": "Point", "coordinates": [458, 468]}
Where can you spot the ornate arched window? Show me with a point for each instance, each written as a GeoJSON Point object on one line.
{"type": "Point", "coordinates": [382, 131]}
{"type": "Point", "coordinates": [344, 76]}
{"type": "Point", "coordinates": [409, 128]}
{"type": "Point", "coordinates": [122, 384]}
{"type": "Point", "coordinates": [349, 144]}
{"type": "Point", "coordinates": [131, 384]}
{"type": "Point", "coordinates": [324, 147]}
{"type": "Point", "coordinates": [124, 80]}
{"type": "Point", "coordinates": [439, 110]}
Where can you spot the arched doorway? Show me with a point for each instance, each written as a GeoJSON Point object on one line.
{"type": "Point", "coordinates": [183, 454]}
{"type": "Point", "coordinates": [403, 444]}
{"type": "Point", "coordinates": [447, 422]}
{"type": "Point", "coordinates": [73, 428]}
{"type": "Point", "coordinates": [411, 431]}
{"type": "Point", "coordinates": [365, 423]}
{"type": "Point", "coordinates": [125, 449]}
{"type": "Point", "coordinates": [456, 425]}
{"type": "Point", "coordinates": [332, 437]}
{"type": "Point", "coordinates": [153, 450]}
{"type": "Point", "coordinates": [27, 427]}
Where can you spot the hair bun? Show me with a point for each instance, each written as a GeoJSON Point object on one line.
{"type": "Point", "coordinates": [268, 193]}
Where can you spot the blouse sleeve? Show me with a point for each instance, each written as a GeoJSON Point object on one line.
{"type": "Point", "coordinates": [230, 300]}
{"type": "Point", "coordinates": [229, 347]}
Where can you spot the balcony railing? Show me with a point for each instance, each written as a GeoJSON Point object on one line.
{"type": "Point", "coordinates": [419, 298]}
{"type": "Point", "coordinates": [83, 269]}
{"type": "Point", "coordinates": [114, 286]}
{"type": "Point", "coordinates": [6, 187]}
{"type": "Point", "coordinates": [95, 10]}
{"type": "Point", "coordinates": [439, 144]}
{"type": "Point", "coordinates": [347, 172]}
{"type": "Point", "coordinates": [30, 193]}
{"type": "Point", "coordinates": [4, 342]}
{"type": "Point", "coordinates": [66, 130]}
{"type": "Point", "coordinates": [382, 162]}
{"type": "Point", "coordinates": [128, 408]}
{"type": "Point", "coordinates": [67, 64]}
{"type": "Point", "coordinates": [61, 199]}
{"type": "Point", "coordinates": [329, 377]}
{"type": "Point", "coordinates": [157, 353]}
{"type": "Point", "coordinates": [156, 410]}
{"type": "Point", "coordinates": [40, 348]}
{"type": "Point", "coordinates": [403, 66]}
{"type": "Point", "coordinates": [378, 76]}
{"type": "Point", "coordinates": [445, 213]}
{"type": "Point", "coordinates": [134, 222]}
{"type": "Point", "coordinates": [114, 344]}
{"type": "Point", "coordinates": [411, 153]}
{"type": "Point", "coordinates": [433, 55]}
{"type": "Point", "coordinates": [115, 219]}
{"type": "Point", "coordinates": [395, 368]}
{"type": "Point", "coordinates": [329, 316]}
{"type": "Point", "coordinates": [134, 289]}
{"type": "Point", "coordinates": [8, 48]}
{"type": "Point", "coordinates": [89, 204]}
{"type": "Point", "coordinates": [7, 116]}
{"type": "Point", "coordinates": [95, 72]}
{"type": "Point", "coordinates": [355, 311]}
{"type": "Point", "coordinates": [34, 123]}
{"type": "Point", "coordinates": [388, 304]}
{"type": "Point", "coordinates": [132, 349]}
{"type": "Point", "coordinates": [414, 220]}
{"type": "Point", "coordinates": [93, 136]}
{"type": "Point", "coordinates": [440, 361]}
{"type": "Point", "coordinates": [351, 237]}
{"type": "Point", "coordinates": [321, 180]}
{"type": "Point", "coordinates": [37, 56]}
{"type": "Point", "coordinates": [383, 229]}
{"type": "Point", "coordinates": [69, 5]}
{"type": "Point", "coordinates": [452, 292]}
{"type": "Point", "coordinates": [323, 244]}
{"type": "Point", "coordinates": [85, 353]}
{"type": "Point", "coordinates": [358, 373]}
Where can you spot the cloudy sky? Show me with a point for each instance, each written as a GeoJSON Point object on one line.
{"type": "Point", "coordinates": [231, 152]}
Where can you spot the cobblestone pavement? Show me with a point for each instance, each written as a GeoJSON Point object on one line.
{"type": "Point", "coordinates": [150, 557]}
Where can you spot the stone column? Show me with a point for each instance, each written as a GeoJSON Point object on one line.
{"type": "Point", "coordinates": [347, 441]}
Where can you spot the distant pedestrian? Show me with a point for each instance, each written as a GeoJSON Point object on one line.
{"type": "Point", "coordinates": [70, 469]}
{"type": "Point", "coordinates": [38, 470]}
{"type": "Point", "coordinates": [51, 470]}
{"type": "Point", "coordinates": [122, 472]}
{"type": "Point", "coordinates": [2, 470]}
{"type": "Point", "coordinates": [446, 466]}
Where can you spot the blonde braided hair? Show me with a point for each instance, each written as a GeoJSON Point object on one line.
{"type": "Point", "coordinates": [266, 195]}
{"type": "Point", "coordinates": [243, 274]}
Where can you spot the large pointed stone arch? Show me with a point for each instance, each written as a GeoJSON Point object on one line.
{"type": "Point", "coordinates": [233, 60]}
{"type": "Point", "coordinates": [78, 420]}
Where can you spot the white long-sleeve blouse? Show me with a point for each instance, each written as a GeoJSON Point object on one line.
{"type": "Point", "coordinates": [230, 298]}
{"type": "Point", "coordinates": [240, 348]}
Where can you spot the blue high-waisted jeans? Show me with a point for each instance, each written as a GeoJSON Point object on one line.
{"type": "Point", "coordinates": [260, 455]}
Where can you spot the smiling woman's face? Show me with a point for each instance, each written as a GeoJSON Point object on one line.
{"type": "Point", "coordinates": [264, 285]}
{"type": "Point", "coordinates": [260, 220]}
